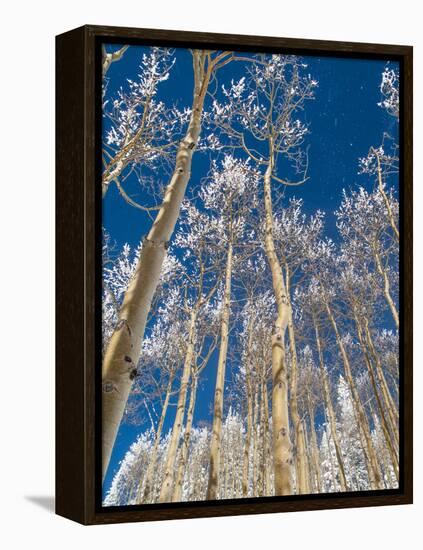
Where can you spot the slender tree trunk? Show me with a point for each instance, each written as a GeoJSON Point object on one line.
{"type": "Point", "coordinates": [332, 465]}
{"type": "Point", "coordinates": [386, 462]}
{"type": "Point", "coordinates": [282, 452]}
{"type": "Point", "coordinates": [330, 411]}
{"type": "Point", "coordinates": [307, 464]}
{"type": "Point", "coordinates": [224, 473]}
{"type": "Point", "coordinates": [300, 455]}
{"type": "Point", "coordinates": [261, 444]}
{"type": "Point", "coordinates": [386, 394]}
{"type": "Point", "coordinates": [123, 350]}
{"type": "Point", "coordinates": [239, 465]}
{"type": "Point", "coordinates": [109, 58]}
{"type": "Point", "coordinates": [372, 463]}
{"type": "Point", "coordinates": [314, 446]}
{"type": "Point", "coordinates": [386, 287]}
{"type": "Point", "coordinates": [385, 198]}
{"type": "Point", "coordinates": [263, 438]}
{"type": "Point", "coordinates": [214, 470]}
{"type": "Point", "coordinates": [247, 445]}
{"type": "Point", "coordinates": [151, 470]}
{"type": "Point", "coordinates": [177, 493]}
{"type": "Point", "coordinates": [133, 486]}
{"type": "Point", "coordinates": [256, 443]}
{"type": "Point", "coordinates": [267, 448]}
{"type": "Point", "coordinates": [382, 416]}
{"type": "Point", "coordinates": [308, 458]}
{"type": "Point", "coordinates": [169, 470]}
{"type": "Point", "coordinates": [233, 463]}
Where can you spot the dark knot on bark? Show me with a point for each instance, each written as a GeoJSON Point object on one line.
{"type": "Point", "coordinates": [156, 244]}
{"type": "Point", "coordinates": [108, 386]}
{"type": "Point", "coordinates": [124, 323]}
{"type": "Point", "coordinates": [133, 374]}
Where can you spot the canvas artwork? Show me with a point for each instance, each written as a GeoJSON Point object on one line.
{"type": "Point", "coordinates": [250, 275]}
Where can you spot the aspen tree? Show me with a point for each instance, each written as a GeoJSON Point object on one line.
{"type": "Point", "coordinates": [124, 346]}
{"type": "Point", "coordinates": [330, 410]}
{"type": "Point", "coordinates": [373, 466]}
{"type": "Point", "coordinates": [389, 401]}
{"type": "Point", "coordinates": [380, 160]}
{"type": "Point", "coordinates": [202, 297]}
{"type": "Point", "coordinates": [220, 382]}
{"type": "Point", "coordinates": [382, 417]}
{"type": "Point", "coordinates": [167, 484]}
{"type": "Point", "coordinates": [360, 298]}
{"type": "Point", "coordinates": [177, 492]}
{"type": "Point", "coordinates": [271, 81]}
{"type": "Point", "coordinates": [197, 368]}
{"type": "Point", "coordinates": [383, 161]}
{"type": "Point", "coordinates": [253, 341]}
{"type": "Point", "coordinates": [141, 134]}
{"type": "Point", "coordinates": [148, 485]}
{"type": "Point", "coordinates": [267, 446]}
{"type": "Point", "coordinates": [230, 191]}
{"type": "Point", "coordinates": [294, 234]}
{"type": "Point", "coordinates": [311, 394]}
{"type": "Point", "coordinates": [248, 393]}
{"type": "Point", "coordinates": [111, 57]}
{"type": "Point", "coordinates": [281, 439]}
{"type": "Point", "coordinates": [300, 458]}
{"type": "Point", "coordinates": [362, 222]}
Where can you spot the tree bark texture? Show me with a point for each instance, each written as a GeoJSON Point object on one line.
{"type": "Point", "coordinates": [215, 445]}
{"type": "Point", "coordinates": [282, 451]}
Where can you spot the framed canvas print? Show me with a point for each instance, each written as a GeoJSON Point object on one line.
{"type": "Point", "coordinates": [234, 274]}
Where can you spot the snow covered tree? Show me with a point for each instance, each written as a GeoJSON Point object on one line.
{"type": "Point", "coordinates": [354, 457]}
{"type": "Point", "coordinates": [230, 194]}
{"type": "Point", "coordinates": [364, 223]}
{"type": "Point", "coordinates": [126, 340]}
{"type": "Point", "coordinates": [259, 119]}
{"type": "Point", "coordinates": [389, 89]}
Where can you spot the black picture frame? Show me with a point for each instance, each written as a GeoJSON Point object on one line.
{"type": "Point", "coordinates": [78, 275]}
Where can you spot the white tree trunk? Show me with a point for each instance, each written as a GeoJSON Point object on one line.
{"type": "Point", "coordinates": [389, 401]}
{"type": "Point", "coordinates": [177, 493]}
{"type": "Point", "coordinates": [109, 58]}
{"type": "Point", "coordinates": [385, 198]}
{"type": "Point", "coordinates": [300, 455]}
{"type": "Point", "coordinates": [149, 477]}
{"type": "Point", "coordinates": [124, 347]}
{"type": "Point", "coordinates": [282, 452]}
{"type": "Point", "coordinates": [384, 422]}
{"type": "Point", "coordinates": [169, 470]}
{"type": "Point", "coordinates": [314, 447]}
{"type": "Point", "coordinates": [330, 411]}
{"type": "Point", "coordinates": [248, 391]}
{"type": "Point", "coordinates": [386, 288]}
{"type": "Point", "coordinates": [368, 449]}
{"type": "Point", "coordinates": [214, 470]}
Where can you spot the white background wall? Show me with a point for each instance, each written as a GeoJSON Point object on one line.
{"type": "Point", "coordinates": [27, 271]}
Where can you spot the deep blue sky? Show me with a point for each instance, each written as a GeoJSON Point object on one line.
{"type": "Point", "coordinates": [344, 121]}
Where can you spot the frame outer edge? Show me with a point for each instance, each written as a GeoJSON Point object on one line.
{"type": "Point", "coordinates": [90, 236]}
{"type": "Point", "coordinates": [407, 273]}
{"type": "Point", "coordinates": [70, 448]}
{"type": "Point", "coordinates": [76, 213]}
